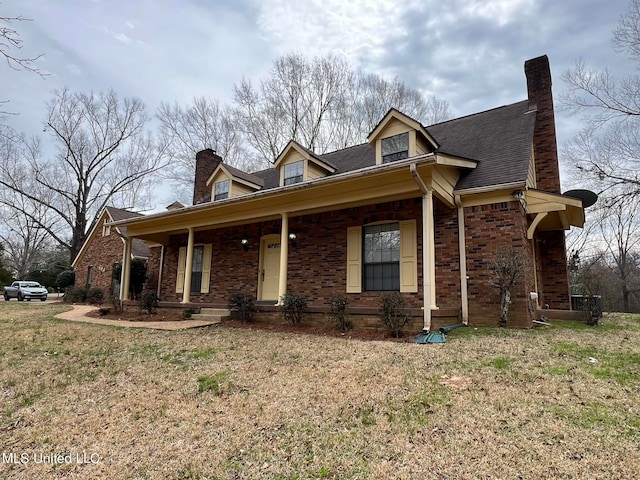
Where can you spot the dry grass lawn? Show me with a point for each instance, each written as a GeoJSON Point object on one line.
{"type": "Point", "coordinates": [89, 401]}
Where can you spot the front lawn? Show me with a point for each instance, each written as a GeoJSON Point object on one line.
{"type": "Point", "coordinates": [89, 401]}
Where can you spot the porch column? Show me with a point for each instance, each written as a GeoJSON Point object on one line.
{"type": "Point", "coordinates": [186, 291]}
{"type": "Point", "coordinates": [126, 267]}
{"type": "Point", "coordinates": [284, 257]}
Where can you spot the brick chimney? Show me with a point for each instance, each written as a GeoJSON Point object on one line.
{"type": "Point", "coordinates": [553, 278]}
{"type": "Point", "coordinates": [206, 162]}
{"type": "Point", "coordinates": [545, 147]}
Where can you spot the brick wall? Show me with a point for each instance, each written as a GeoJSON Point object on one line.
{"type": "Point", "coordinates": [553, 276]}
{"type": "Point", "coordinates": [490, 229]}
{"type": "Point", "coordinates": [102, 253]}
{"type": "Point", "coordinates": [317, 264]}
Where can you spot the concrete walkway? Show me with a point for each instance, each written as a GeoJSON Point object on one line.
{"type": "Point", "coordinates": [79, 314]}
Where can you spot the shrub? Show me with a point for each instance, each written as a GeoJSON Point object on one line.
{"type": "Point", "coordinates": [338, 312]}
{"type": "Point", "coordinates": [393, 314]}
{"type": "Point", "coordinates": [148, 301]}
{"type": "Point", "coordinates": [75, 295]}
{"type": "Point", "coordinates": [242, 306]}
{"type": "Point", "coordinates": [293, 307]}
{"type": "Point", "coordinates": [137, 276]}
{"type": "Point", "coordinates": [66, 279]}
{"type": "Point", "coordinates": [95, 296]}
{"type": "Point", "coordinates": [102, 311]}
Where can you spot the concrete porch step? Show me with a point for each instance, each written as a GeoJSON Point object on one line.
{"type": "Point", "coordinates": [212, 314]}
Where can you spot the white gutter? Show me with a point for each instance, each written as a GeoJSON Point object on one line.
{"type": "Point", "coordinates": [490, 188]}
{"type": "Point", "coordinates": [427, 247]}
{"type": "Point", "coordinates": [328, 180]}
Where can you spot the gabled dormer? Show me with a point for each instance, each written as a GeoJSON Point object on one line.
{"type": "Point", "coordinates": [399, 136]}
{"type": "Point", "coordinates": [227, 182]}
{"type": "Point", "coordinates": [298, 164]}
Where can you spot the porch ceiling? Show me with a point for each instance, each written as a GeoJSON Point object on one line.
{"type": "Point", "coordinates": [552, 211]}
{"type": "Point", "coordinates": [383, 184]}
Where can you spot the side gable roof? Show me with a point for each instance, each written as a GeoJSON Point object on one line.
{"type": "Point", "coordinates": [406, 119]}
{"type": "Point", "coordinates": [305, 152]}
{"type": "Point", "coordinates": [238, 174]}
{"type": "Point", "coordinates": [138, 247]}
{"type": "Point", "coordinates": [501, 140]}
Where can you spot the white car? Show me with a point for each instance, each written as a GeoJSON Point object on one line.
{"type": "Point", "coordinates": [25, 291]}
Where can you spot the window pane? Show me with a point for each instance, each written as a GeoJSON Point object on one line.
{"type": "Point", "coordinates": [382, 257]}
{"type": "Point", "coordinates": [221, 190]}
{"type": "Point", "coordinates": [196, 270]}
{"type": "Point", "coordinates": [293, 172]}
{"type": "Point", "coordinates": [395, 148]}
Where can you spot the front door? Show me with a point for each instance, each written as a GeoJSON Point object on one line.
{"type": "Point", "coordinates": [269, 274]}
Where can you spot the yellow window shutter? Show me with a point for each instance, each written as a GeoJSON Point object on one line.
{"type": "Point", "coordinates": [182, 263]}
{"type": "Point", "coordinates": [206, 268]}
{"type": "Point", "coordinates": [408, 257]}
{"type": "Point", "coordinates": [354, 259]}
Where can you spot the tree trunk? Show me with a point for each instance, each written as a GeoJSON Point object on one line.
{"type": "Point", "coordinates": [504, 308]}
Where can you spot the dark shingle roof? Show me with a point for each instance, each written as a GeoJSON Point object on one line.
{"type": "Point", "coordinates": [248, 177]}
{"type": "Point", "coordinates": [500, 140]}
{"type": "Point", "coordinates": [120, 214]}
{"type": "Point", "coordinates": [138, 247]}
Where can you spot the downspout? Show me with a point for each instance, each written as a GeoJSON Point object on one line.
{"type": "Point", "coordinates": [462, 246]}
{"type": "Point", "coordinates": [426, 247]}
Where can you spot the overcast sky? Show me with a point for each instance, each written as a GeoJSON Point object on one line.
{"type": "Point", "coordinates": [468, 52]}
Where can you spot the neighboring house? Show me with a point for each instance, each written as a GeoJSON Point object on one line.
{"type": "Point", "coordinates": [103, 248]}
{"type": "Point", "coordinates": [419, 210]}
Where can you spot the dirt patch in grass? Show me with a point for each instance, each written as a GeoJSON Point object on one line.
{"type": "Point", "coordinates": [247, 403]}
{"type": "Point", "coordinates": [320, 330]}
{"type": "Point", "coordinates": [137, 316]}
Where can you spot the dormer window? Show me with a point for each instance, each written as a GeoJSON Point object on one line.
{"type": "Point", "coordinates": [293, 172]}
{"type": "Point", "coordinates": [395, 148]}
{"type": "Point", "coordinates": [221, 190]}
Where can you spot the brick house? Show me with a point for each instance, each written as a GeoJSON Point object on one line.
{"type": "Point", "coordinates": [103, 248]}
{"type": "Point", "coordinates": [416, 209]}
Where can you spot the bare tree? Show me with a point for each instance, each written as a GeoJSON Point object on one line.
{"type": "Point", "coordinates": [322, 104]}
{"type": "Point", "coordinates": [508, 268]}
{"type": "Point", "coordinates": [377, 95]}
{"type": "Point", "coordinates": [23, 238]}
{"type": "Point", "coordinates": [297, 101]}
{"type": "Point", "coordinates": [620, 226]}
{"type": "Point", "coordinates": [608, 149]}
{"type": "Point", "coordinates": [184, 131]}
{"type": "Point", "coordinates": [104, 157]}
{"type": "Point", "coordinates": [10, 43]}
